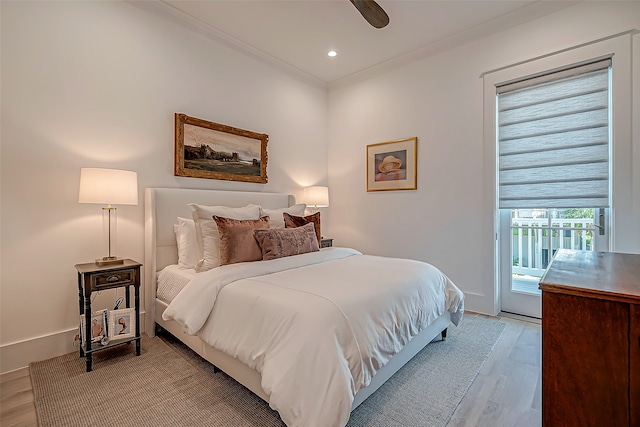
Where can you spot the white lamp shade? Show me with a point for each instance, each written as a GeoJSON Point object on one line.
{"type": "Point", "coordinates": [108, 186]}
{"type": "Point", "coordinates": [317, 196]}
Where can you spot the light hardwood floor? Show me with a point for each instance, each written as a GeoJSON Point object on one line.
{"type": "Point", "coordinates": [16, 399]}
{"type": "Point", "coordinates": [508, 389]}
{"type": "Point", "coordinates": [506, 392]}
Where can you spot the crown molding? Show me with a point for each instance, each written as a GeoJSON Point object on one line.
{"type": "Point", "coordinates": [169, 12]}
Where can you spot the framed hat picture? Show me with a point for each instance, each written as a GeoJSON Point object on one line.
{"type": "Point", "coordinates": [392, 165]}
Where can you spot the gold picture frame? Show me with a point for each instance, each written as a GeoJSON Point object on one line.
{"type": "Point", "coordinates": [205, 149]}
{"type": "Point", "coordinates": [392, 165]}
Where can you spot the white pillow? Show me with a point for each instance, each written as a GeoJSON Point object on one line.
{"type": "Point", "coordinates": [187, 244]}
{"type": "Point", "coordinates": [207, 235]}
{"type": "Point", "coordinates": [276, 220]}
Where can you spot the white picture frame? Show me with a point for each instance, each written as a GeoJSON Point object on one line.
{"type": "Point", "coordinates": [122, 323]}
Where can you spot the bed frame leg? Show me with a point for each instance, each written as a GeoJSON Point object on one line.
{"type": "Point", "coordinates": [444, 334]}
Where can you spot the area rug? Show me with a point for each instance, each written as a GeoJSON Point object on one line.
{"type": "Point", "coordinates": [169, 385]}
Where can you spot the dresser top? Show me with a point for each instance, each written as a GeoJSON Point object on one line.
{"type": "Point", "coordinates": [604, 275]}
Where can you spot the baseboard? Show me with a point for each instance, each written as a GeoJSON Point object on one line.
{"type": "Point", "coordinates": [479, 303]}
{"type": "Point", "coordinates": [520, 317]}
{"type": "Point", "coordinates": [19, 354]}
{"type": "Point", "coordinates": [477, 313]}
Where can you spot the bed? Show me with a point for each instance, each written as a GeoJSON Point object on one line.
{"type": "Point", "coordinates": [303, 279]}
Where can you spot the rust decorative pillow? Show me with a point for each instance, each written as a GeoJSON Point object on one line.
{"type": "Point", "coordinates": [291, 221]}
{"type": "Point", "coordinates": [237, 243]}
{"type": "Point", "coordinates": [281, 242]}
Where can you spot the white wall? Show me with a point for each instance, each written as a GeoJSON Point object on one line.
{"type": "Point", "coordinates": [447, 220]}
{"type": "Point", "coordinates": [96, 84]}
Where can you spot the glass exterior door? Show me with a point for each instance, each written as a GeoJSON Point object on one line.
{"type": "Point", "coordinates": [534, 236]}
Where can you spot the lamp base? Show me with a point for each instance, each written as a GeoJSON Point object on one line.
{"type": "Point", "coordinates": [109, 260]}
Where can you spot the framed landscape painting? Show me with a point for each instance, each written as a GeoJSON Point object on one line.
{"type": "Point", "coordinates": [392, 165]}
{"type": "Point", "coordinates": [206, 149]}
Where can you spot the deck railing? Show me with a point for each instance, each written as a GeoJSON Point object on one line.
{"type": "Point", "coordinates": [532, 238]}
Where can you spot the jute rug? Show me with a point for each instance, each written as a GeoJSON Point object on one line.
{"type": "Point", "coordinates": [169, 385]}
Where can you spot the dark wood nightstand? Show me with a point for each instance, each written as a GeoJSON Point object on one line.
{"type": "Point", "coordinates": [326, 243]}
{"type": "Point", "coordinates": [93, 278]}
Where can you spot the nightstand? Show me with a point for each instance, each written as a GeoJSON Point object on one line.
{"type": "Point", "coordinates": [326, 243]}
{"type": "Point", "coordinates": [93, 278]}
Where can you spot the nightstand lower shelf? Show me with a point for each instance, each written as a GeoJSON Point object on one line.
{"type": "Point", "coordinates": [113, 343]}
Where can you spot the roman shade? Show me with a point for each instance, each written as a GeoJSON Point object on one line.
{"type": "Point", "coordinates": [553, 139]}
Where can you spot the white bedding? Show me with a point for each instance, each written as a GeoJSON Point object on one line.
{"type": "Point", "coordinates": [316, 326]}
{"type": "Point", "coordinates": [171, 280]}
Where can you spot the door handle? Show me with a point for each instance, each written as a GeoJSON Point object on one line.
{"type": "Point", "coordinates": [601, 223]}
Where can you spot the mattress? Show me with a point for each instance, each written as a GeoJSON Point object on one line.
{"type": "Point", "coordinates": [171, 280]}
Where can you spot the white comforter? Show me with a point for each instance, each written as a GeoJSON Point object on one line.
{"type": "Point", "coordinates": [316, 326]}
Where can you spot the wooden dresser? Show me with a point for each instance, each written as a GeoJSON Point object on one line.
{"type": "Point", "coordinates": [591, 340]}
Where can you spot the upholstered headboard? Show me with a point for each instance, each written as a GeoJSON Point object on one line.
{"type": "Point", "coordinates": [162, 207]}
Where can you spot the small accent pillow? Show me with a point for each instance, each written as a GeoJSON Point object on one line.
{"type": "Point", "coordinates": [281, 242]}
{"type": "Point", "coordinates": [186, 241]}
{"type": "Point", "coordinates": [275, 215]}
{"type": "Point", "coordinates": [237, 243]}
{"type": "Point", "coordinates": [291, 221]}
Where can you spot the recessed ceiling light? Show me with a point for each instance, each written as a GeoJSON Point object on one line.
{"type": "Point", "coordinates": [332, 53]}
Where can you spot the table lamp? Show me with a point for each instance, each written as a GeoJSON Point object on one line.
{"type": "Point", "coordinates": [316, 196]}
{"type": "Point", "coordinates": [108, 187]}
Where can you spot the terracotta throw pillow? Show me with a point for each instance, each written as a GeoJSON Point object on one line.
{"type": "Point", "coordinates": [282, 242]}
{"type": "Point", "coordinates": [237, 243]}
{"type": "Point", "coordinates": [291, 221]}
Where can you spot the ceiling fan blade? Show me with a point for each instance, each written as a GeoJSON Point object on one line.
{"type": "Point", "coordinates": [372, 12]}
